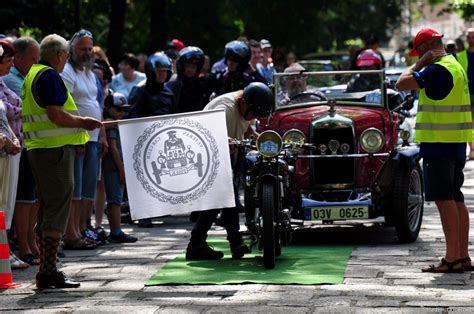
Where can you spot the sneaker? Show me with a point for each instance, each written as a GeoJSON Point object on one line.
{"type": "Point", "coordinates": [202, 251]}
{"type": "Point", "coordinates": [16, 263]}
{"type": "Point", "coordinates": [122, 238]}
{"type": "Point", "coordinates": [91, 235]}
{"type": "Point", "coordinates": [101, 234]}
{"type": "Point", "coordinates": [238, 250]}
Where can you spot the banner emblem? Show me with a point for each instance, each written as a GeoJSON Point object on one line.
{"type": "Point", "coordinates": [176, 160]}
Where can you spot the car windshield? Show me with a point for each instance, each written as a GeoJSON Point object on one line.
{"type": "Point", "coordinates": [348, 87]}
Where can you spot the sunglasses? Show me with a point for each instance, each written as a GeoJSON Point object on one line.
{"type": "Point", "coordinates": [81, 34]}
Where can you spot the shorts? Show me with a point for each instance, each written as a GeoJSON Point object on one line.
{"type": "Point", "coordinates": [26, 190]}
{"type": "Point", "coordinates": [86, 172]}
{"type": "Point", "coordinates": [113, 187]}
{"type": "Point", "coordinates": [443, 179]}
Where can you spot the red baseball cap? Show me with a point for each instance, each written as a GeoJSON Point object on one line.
{"type": "Point", "coordinates": [178, 44]}
{"type": "Point", "coordinates": [423, 35]}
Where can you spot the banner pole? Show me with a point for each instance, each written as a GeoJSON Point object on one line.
{"type": "Point", "coordinates": [175, 115]}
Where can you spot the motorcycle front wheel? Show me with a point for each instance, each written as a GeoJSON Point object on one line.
{"type": "Point", "coordinates": [267, 211]}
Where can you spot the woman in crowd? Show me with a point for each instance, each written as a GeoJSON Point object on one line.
{"type": "Point", "coordinates": [10, 127]}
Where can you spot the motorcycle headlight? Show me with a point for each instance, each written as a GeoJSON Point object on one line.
{"type": "Point", "coordinates": [269, 143]}
{"type": "Point", "coordinates": [372, 140]}
{"type": "Point", "coordinates": [405, 135]}
{"type": "Point", "coordinates": [295, 138]}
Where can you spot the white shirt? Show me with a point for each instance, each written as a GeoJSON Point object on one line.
{"type": "Point", "coordinates": [83, 88]}
{"type": "Point", "coordinates": [236, 124]}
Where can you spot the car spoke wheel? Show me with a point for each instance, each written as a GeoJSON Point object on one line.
{"type": "Point", "coordinates": [267, 211]}
{"type": "Point", "coordinates": [408, 203]}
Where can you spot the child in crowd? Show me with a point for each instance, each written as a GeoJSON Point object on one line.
{"type": "Point", "coordinates": [113, 169]}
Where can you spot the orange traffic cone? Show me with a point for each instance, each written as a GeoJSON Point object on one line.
{"type": "Point", "coordinates": [6, 279]}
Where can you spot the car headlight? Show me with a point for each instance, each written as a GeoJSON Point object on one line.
{"type": "Point", "coordinates": [295, 138]}
{"type": "Point", "coordinates": [269, 143]}
{"type": "Point", "coordinates": [372, 140]}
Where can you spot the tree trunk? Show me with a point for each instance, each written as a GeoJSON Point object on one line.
{"type": "Point", "coordinates": [116, 28]}
{"type": "Point", "coordinates": [158, 26]}
{"type": "Point", "coordinates": [77, 15]}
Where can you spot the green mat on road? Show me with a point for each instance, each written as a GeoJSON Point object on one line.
{"type": "Point", "coordinates": [304, 265]}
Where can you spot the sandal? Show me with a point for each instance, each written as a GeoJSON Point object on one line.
{"type": "Point", "coordinates": [16, 263]}
{"type": "Point", "coordinates": [439, 268]}
{"type": "Point", "coordinates": [30, 259]}
{"type": "Point", "coordinates": [78, 244]}
{"type": "Point", "coordinates": [467, 260]}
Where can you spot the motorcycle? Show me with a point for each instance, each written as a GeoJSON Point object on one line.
{"type": "Point", "coordinates": [268, 196]}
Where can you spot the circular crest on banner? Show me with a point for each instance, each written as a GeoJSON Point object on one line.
{"type": "Point", "coordinates": [176, 160]}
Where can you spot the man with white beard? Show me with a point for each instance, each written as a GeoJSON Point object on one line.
{"type": "Point", "coordinates": [84, 88]}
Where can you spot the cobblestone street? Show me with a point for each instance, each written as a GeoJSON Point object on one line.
{"type": "Point", "coordinates": [381, 276]}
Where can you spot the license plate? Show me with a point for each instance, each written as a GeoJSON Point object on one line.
{"type": "Point", "coordinates": [336, 213]}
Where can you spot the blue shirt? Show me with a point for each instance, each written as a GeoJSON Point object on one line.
{"type": "Point", "coordinates": [14, 80]}
{"type": "Point", "coordinates": [438, 82]}
{"type": "Point", "coordinates": [266, 71]}
{"type": "Point", "coordinates": [50, 88]}
{"type": "Point", "coordinates": [120, 85]}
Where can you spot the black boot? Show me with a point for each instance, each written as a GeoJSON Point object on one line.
{"type": "Point", "coordinates": [48, 275]}
{"type": "Point", "coordinates": [201, 251]}
{"type": "Point", "coordinates": [55, 280]}
{"type": "Point", "coordinates": [239, 249]}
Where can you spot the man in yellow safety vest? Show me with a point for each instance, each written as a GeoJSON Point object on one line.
{"type": "Point", "coordinates": [52, 128]}
{"type": "Point", "coordinates": [443, 127]}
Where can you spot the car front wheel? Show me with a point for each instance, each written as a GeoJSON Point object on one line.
{"type": "Point", "coordinates": [408, 203]}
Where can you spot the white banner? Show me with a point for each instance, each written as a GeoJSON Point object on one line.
{"type": "Point", "coordinates": [177, 163]}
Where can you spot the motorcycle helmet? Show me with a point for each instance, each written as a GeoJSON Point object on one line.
{"type": "Point", "coordinates": [158, 61]}
{"type": "Point", "coordinates": [239, 52]}
{"type": "Point", "coordinates": [369, 57]}
{"type": "Point", "coordinates": [190, 54]}
{"type": "Point", "coordinates": [259, 98]}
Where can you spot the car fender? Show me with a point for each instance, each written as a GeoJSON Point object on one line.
{"type": "Point", "coordinates": [407, 156]}
{"type": "Point", "coordinates": [402, 158]}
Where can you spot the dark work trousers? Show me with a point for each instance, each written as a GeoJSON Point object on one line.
{"type": "Point", "coordinates": [229, 216]}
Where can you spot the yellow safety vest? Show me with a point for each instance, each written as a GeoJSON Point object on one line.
{"type": "Point", "coordinates": [462, 59]}
{"type": "Point", "coordinates": [38, 130]}
{"type": "Point", "coordinates": [447, 120]}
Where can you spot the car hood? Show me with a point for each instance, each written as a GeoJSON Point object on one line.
{"type": "Point", "coordinates": [302, 117]}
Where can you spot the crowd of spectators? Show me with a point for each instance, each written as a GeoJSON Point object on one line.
{"type": "Point", "coordinates": [179, 79]}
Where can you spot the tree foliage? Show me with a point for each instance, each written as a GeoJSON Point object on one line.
{"type": "Point", "coordinates": [302, 26]}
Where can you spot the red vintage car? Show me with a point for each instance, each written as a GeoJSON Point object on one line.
{"type": "Point", "coordinates": [353, 167]}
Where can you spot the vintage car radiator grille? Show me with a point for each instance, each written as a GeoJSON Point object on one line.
{"type": "Point", "coordinates": [333, 171]}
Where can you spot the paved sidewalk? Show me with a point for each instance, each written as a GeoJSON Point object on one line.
{"type": "Point", "coordinates": [381, 276]}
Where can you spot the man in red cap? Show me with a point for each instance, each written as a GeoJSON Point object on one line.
{"type": "Point", "coordinates": [177, 44]}
{"type": "Point", "coordinates": [443, 127]}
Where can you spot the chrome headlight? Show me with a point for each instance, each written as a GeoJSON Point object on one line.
{"type": "Point", "coordinates": [269, 143]}
{"type": "Point", "coordinates": [295, 138]}
{"type": "Point", "coordinates": [405, 135]}
{"type": "Point", "coordinates": [372, 140]}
